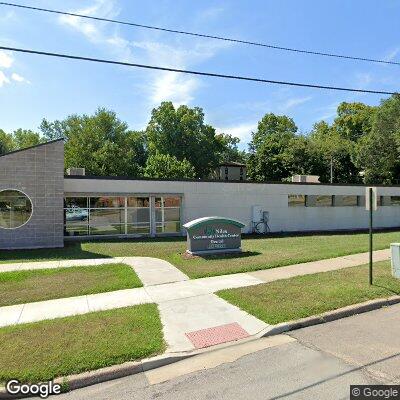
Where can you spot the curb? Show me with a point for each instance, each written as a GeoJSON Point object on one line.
{"type": "Point", "coordinates": [89, 378]}
{"type": "Point", "coordinates": [329, 316]}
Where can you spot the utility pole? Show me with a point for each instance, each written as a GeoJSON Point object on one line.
{"type": "Point", "coordinates": [370, 233]}
{"type": "Point", "coordinates": [371, 204]}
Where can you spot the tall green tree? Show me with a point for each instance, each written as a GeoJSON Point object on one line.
{"type": "Point", "coordinates": [100, 143]}
{"type": "Point", "coordinates": [354, 120]}
{"type": "Point", "coordinates": [230, 148]}
{"type": "Point", "coordinates": [335, 151]}
{"type": "Point", "coordinates": [302, 157]}
{"type": "Point", "coordinates": [167, 166]}
{"type": "Point", "coordinates": [23, 138]}
{"type": "Point", "coordinates": [268, 158]}
{"type": "Point", "coordinates": [181, 132]}
{"type": "Point", "coordinates": [378, 153]}
{"type": "Point", "coordinates": [6, 142]}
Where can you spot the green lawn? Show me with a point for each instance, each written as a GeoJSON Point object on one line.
{"type": "Point", "coordinates": [45, 350]}
{"type": "Point", "coordinates": [303, 296]}
{"type": "Point", "coordinates": [27, 286]}
{"type": "Point", "coordinates": [259, 252]}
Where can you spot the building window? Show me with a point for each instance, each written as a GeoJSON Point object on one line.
{"type": "Point", "coordinates": [168, 214]}
{"type": "Point", "coordinates": [296, 200]}
{"type": "Point", "coordinates": [395, 200]}
{"type": "Point", "coordinates": [112, 215]}
{"type": "Point", "coordinates": [138, 215]}
{"type": "Point", "coordinates": [106, 215]}
{"type": "Point", "coordinates": [318, 201]}
{"type": "Point", "coordinates": [345, 201]}
{"type": "Point", "coordinates": [384, 201]}
{"type": "Point", "coordinates": [15, 209]}
{"type": "Point", "coordinates": [76, 216]}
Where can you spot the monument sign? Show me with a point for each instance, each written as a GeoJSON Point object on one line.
{"type": "Point", "coordinates": [212, 235]}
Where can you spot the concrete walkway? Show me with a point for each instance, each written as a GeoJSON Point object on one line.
{"type": "Point", "coordinates": [186, 306]}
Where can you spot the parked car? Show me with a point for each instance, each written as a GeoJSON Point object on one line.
{"type": "Point", "coordinates": [76, 214]}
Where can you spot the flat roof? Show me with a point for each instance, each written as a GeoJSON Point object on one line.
{"type": "Point", "coordinates": [129, 178]}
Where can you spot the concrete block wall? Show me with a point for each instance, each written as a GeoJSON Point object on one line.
{"type": "Point", "coordinates": [39, 173]}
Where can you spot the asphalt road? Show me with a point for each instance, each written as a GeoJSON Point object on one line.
{"type": "Point", "coordinates": [320, 364]}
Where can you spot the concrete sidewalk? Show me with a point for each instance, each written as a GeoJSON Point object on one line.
{"type": "Point", "coordinates": [186, 306]}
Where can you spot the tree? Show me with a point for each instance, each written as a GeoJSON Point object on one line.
{"type": "Point", "coordinates": [267, 159]}
{"type": "Point", "coordinates": [354, 120]}
{"type": "Point", "coordinates": [100, 143]}
{"type": "Point", "coordinates": [230, 150]}
{"type": "Point", "coordinates": [6, 142]}
{"type": "Point", "coordinates": [167, 166]}
{"type": "Point", "coordinates": [302, 157]}
{"type": "Point", "coordinates": [182, 133]}
{"type": "Point", "coordinates": [378, 153]}
{"type": "Point", "coordinates": [334, 151]}
{"type": "Point", "coordinates": [23, 138]}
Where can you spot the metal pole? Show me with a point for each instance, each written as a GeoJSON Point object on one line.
{"type": "Point", "coordinates": [331, 169]}
{"type": "Point", "coordinates": [370, 235]}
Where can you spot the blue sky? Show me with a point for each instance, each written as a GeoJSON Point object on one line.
{"type": "Point", "coordinates": [36, 87]}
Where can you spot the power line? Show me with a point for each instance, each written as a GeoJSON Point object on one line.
{"type": "Point", "coordinates": [227, 39]}
{"type": "Point", "coordinates": [185, 71]}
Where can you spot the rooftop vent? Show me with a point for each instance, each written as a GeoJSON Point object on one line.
{"type": "Point", "coordinates": [306, 178]}
{"type": "Point", "coordinates": [76, 171]}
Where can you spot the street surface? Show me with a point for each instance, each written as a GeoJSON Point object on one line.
{"type": "Point", "coordinates": [320, 363]}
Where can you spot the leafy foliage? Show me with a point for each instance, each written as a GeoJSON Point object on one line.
{"type": "Point", "coordinates": [101, 143]}
{"type": "Point", "coordinates": [167, 166]}
{"type": "Point", "coordinates": [362, 144]}
{"type": "Point", "coordinates": [267, 160]}
{"type": "Point", "coordinates": [182, 133]}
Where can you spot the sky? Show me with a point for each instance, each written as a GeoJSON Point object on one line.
{"type": "Point", "coordinates": [34, 87]}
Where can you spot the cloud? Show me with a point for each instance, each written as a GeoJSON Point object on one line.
{"type": "Point", "coordinates": [242, 131]}
{"type": "Point", "coordinates": [6, 60]}
{"type": "Point", "coordinates": [93, 31]}
{"type": "Point", "coordinates": [178, 88]}
{"type": "Point", "coordinates": [391, 55]}
{"type": "Point", "coordinates": [294, 102]}
{"type": "Point", "coordinates": [363, 79]}
{"type": "Point", "coordinates": [173, 87]}
{"type": "Point", "coordinates": [3, 79]}
{"type": "Point", "coordinates": [18, 78]}
{"type": "Point", "coordinates": [157, 86]}
{"type": "Point", "coordinates": [210, 13]}
{"type": "Point", "coordinates": [328, 112]}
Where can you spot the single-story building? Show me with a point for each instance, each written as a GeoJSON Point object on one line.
{"type": "Point", "coordinates": [42, 207]}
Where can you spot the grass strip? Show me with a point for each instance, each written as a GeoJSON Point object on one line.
{"type": "Point", "coordinates": [19, 287]}
{"type": "Point", "coordinates": [45, 350]}
{"type": "Point", "coordinates": [308, 295]}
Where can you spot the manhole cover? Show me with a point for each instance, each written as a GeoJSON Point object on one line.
{"type": "Point", "coordinates": [216, 335]}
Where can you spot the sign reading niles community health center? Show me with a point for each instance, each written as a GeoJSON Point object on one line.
{"type": "Point", "coordinates": [210, 235]}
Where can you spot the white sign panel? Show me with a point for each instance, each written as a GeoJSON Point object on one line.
{"type": "Point", "coordinates": [374, 198]}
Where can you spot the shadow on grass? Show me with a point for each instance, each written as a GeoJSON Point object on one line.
{"type": "Point", "coordinates": [69, 252]}
{"type": "Point", "coordinates": [226, 256]}
{"type": "Point", "coordinates": [73, 249]}
{"type": "Point", "coordinates": [389, 289]}
{"type": "Point", "coordinates": [316, 233]}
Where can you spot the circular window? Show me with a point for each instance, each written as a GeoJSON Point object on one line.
{"type": "Point", "coordinates": [15, 209]}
